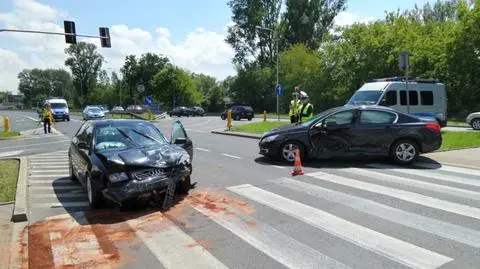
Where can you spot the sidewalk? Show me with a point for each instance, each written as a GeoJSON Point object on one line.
{"type": "Point", "coordinates": [5, 234]}
{"type": "Point", "coordinates": [468, 158]}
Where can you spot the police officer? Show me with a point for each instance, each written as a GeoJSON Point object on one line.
{"type": "Point", "coordinates": [295, 104]}
{"type": "Point", "coordinates": [47, 118]}
{"type": "Point", "coordinates": [306, 109]}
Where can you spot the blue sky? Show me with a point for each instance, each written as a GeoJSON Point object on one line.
{"type": "Point", "coordinates": [190, 32]}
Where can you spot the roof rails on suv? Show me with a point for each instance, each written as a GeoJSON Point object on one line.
{"type": "Point", "coordinates": [410, 79]}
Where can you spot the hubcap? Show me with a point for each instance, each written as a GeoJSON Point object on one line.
{"type": "Point", "coordinates": [405, 152]}
{"type": "Point", "coordinates": [288, 152]}
{"type": "Point", "coordinates": [476, 124]}
{"type": "Point", "coordinates": [89, 190]}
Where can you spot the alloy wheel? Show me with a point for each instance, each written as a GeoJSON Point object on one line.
{"type": "Point", "coordinates": [476, 124]}
{"type": "Point", "coordinates": [288, 152]}
{"type": "Point", "coordinates": [405, 152]}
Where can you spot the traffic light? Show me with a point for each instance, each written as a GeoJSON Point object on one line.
{"type": "Point", "coordinates": [105, 37]}
{"type": "Point", "coordinates": [70, 32]}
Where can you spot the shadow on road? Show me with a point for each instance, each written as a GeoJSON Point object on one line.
{"type": "Point", "coordinates": [359, 162]}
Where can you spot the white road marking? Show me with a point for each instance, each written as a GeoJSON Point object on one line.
{"type": "Point", "coordinates": [415, 183]}
{"type": "Point", "coordinates": [459, 170]}
{"type": "Point", "coordinates": [49, 165]}
{"type": "Point", "coordinates": [10, 153]}
{"type": "Point", "coordinates": [284, 249]}
{"type": "Point", "coordinates": [202, 149]}
{"type": "Point", "coordinates": [51, 188]}
{"type": "Point", "coordinates": [279, 167]}
{"type": "Point", "coordinates": [429, 174]}
{"type": "Point", "coordinates": [392, 248]}
{"type": "Point", "coordinates": [51, 175]}
{"type": "Point", "coordinates": [42, 163]}
{"type": "Point", "coordinates": [29, 146]}
{"type": "Point", "coordinates": [401, 194]}
{"type": "Point", "coordinates": [231, 156]}
{"type": "Point", "coordinates": [49, 181]}
{"type": "Point", "coordinates": [53, 171]}
{"type": "Point", "coordinates": [58, 205]}
{"type": "Point", "coordinates": [30, 118]}
{"type": "Point", "coordinates": [177, 253]}
{"type": "Point", "coordinates": [59, 195]}
{"type": "Point", "coordinates": [412, 220]}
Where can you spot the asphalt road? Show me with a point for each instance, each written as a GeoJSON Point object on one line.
{"type": "Point", "coordinates": [246, 212]}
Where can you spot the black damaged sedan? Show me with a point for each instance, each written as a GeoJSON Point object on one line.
{"type": "Point", "coordinates": [130, 160]}
{"type": "Point", "coordinates": [352, 131]}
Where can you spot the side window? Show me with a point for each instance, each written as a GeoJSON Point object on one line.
{"type": "Point", "coordinates": [345, 117]}
{"type": "Point", "coordinates": [376, 117]}
{"type": "Point", "coordinates": [81, 134]}
{"type": "Point", "coordinates": [413, 98]}
{"type": "Point", "coordinates": [88, 134]}
{"type": "Point", "coordinates": [426, 98]}
{"type": "Point", "coordinates": [391, 98]}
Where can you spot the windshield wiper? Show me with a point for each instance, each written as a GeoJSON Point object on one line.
{"type": "Point", "coordinates": [147, 136]}
{"type": "Point", "coordinates": [127, 136]}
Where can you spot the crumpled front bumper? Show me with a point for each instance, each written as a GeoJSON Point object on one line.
{"type": "Point", "coordinates": [133, 188]}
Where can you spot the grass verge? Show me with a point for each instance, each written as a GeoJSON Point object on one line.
{"type": "Point", "coordinates": [8, 180]}
{"type": "Point", "coordinates": [459, 140]}
{"type": "Point", "coordinates": [258, 127]}
{"type": "Point", "coordinates": [8, 134]}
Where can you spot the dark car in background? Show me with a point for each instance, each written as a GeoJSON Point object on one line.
{"type": "Point", "coordinates": [130, 160]}
{"type": "Point", "coordinates": [354, 131]}
{"type": "Point", "coordinates": [181, 111]}
{"type": "Point", "coordinates": [240, 112]}
{"type": "Point", "coordinates": [197, 111]}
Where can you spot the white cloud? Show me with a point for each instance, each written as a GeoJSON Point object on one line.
{"type": "Point", "coordinates": [201, 50]}
{"type": "Point", "coordinates": [346, 18]}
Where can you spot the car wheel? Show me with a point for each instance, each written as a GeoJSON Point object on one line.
{"type": "Point", "coordinates": [404, 152]}
{"type": "Point", "coordinates": [184, 186]}
{"type": "Point", "coordinates": [68, 118]}
{"type": "Point", "coordinates": [250, 119]}
{"type": "Point", "coordinates": [72, 174]}
{"type": "Point", "coordinates": [288, 151]}
{"type": "Point", "coordinates": [237, 117]}
{"type": "Point", "coordinates": [95, 197]}
{"type": "Point", "coordinates": [222, 117]}
{"type": "Point", "coordinates": [475, 124]}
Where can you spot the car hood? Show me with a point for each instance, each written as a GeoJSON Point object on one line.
{"type": "Point", "coordinates": [158, 156]}
{"type": "Point", "coordinates": [290, 128]}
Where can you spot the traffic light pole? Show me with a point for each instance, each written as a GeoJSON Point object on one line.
{"type": "Point", "coordinates": [46, 33]}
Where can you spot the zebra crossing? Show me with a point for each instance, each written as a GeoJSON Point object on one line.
{"type": "Point", "coordinates": [377, 216]}
{"type": "Point", "coordinates": [50, 190]}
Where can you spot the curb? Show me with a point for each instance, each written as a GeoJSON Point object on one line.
{"type": "Point", "coordinates": [20, 206]}
{"type": "Point", "coordinates": [238, 134]}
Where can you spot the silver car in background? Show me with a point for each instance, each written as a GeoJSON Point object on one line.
{"type": "Point", "coordinates": [93, 112]}
{"type": "Point", "coordinates": [473, 119]}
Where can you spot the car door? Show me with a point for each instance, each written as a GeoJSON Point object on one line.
{"type": "Point", "coordinates": [179, 137]}
{"type": "Point", "coordinates": [374, 131]}
{"type": "Point", "coordinates": [84, 148]}
{"type": "Point", "coordinates": [332, 136]}
{"type": "Point", "coordinates": [74, 150]}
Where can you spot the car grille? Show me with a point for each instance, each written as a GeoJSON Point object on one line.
{"type": "Point", "coordinates": [152, 173]}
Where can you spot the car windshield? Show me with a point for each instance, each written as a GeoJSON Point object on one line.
{"type": "Point", "coordinates": [365, 98]}
{"type": "Point", "coordinates": [127, 136]}
{"type": "Point", "coordinates": [58, 105]}
{"type": "Point", "coordinates": [94, 110]}
{"type": "Point", "coordinates": [321, 115]}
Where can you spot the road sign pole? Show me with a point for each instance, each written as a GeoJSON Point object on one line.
{"type": "Point", "coordinates": [404, 60]}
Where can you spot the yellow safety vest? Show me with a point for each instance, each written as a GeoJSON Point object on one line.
{"type": "Point", "coordinates": [294, 108]}
{"type": "Point", "coordinates": [47, 114]}
{"type": "Point", "coordinates": [303, 110]}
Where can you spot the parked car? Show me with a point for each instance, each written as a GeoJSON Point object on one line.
{"type": "Point", "coordinates": [354, 131]}
{"type": "Point", "coordinates": [134, 109]}
{"type": "Point", "coordinates": [473, 119]}
{"type": "Point", "coordinates": [240, 112]}
{"type": "Point", "coordinates": [92, 113]}
{"type": "Point", "coordinates": [117, 109]}
{"type": "Point", "coordinates": [197, 111]}
{"type": "Point", "coordinates": [129, 160]}
{"type": "Point", "coordinates": [180, 111]}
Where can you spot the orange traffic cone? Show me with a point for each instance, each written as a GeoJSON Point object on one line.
{"type": "Point", "coordinates": [297, 169]}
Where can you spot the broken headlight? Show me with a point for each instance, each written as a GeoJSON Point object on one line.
{"type": "Point", "coordinates": [118, 177]}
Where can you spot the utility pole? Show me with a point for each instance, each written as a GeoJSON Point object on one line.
{"type": "Point", "coordinates": [403, 62]}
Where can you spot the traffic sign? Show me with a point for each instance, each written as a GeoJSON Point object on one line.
{"type": "Point", "coordinates": [140, 88]}
{"type": "Point", "coordinates": [279, 90]}
{"type": "Point", "coordinates": [148, 100]}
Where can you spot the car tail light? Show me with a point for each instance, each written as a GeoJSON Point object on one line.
{"type": "Point", "coordinates": [433, 126]}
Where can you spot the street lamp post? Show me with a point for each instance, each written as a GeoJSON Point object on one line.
{"type": "Point", "coordinates": [277, 62]}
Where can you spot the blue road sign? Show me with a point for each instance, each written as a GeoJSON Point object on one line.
{"type": "Point", "coordinates": [148, 100]}
{"type": "Point", "coordinates": [279, 90]}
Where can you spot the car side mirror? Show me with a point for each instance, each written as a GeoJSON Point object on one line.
{"type": "Point", "coordinates": [180, 141]}
{"type": "Point", "coordinates": [82, 145]}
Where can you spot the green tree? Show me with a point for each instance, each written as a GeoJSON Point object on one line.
{"type": "Point", "coordinates": [85, 63]}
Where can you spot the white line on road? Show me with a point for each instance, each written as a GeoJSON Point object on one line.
{"type": "Point", "coordinates": [387, 246]}
{"type": "Point", "coordinates": [51, 188]}
{"type": "Point", "coordinates": [30, 118]}
{"type": "Point", "coordinates": [48, 165]}
{"type": "Point", "coordinates": [202, 149]}
{"type": "Point", "coordinates": [36, 144]}
{"type": "Point", "coordinates": [51, 175]}
{"type": "Point", "coordinates": [453, 169]}
{"type": "Point", "coordinates": [42, 171]}
{"type": "Point", "coordinates": [412, 197]}
{"type": "Point", "coordinates": [59, 195]}
{"type": "Point", "coordinates": [279, 167]}
{"type": "Point", "coordinates": [57, 205]}
{"type": "Point", "coordinates": [11, 153]}
{"type": "Point", "coordinates": [49, 181]}
{"type": "Point", "coordinates": [231, 156]}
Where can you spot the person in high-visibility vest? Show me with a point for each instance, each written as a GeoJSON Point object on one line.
{"type": "Point", "coordinates": [306, 110]}
{"type": "Point", "coordinates": [295, 104]}
{"type": "Point", "coordinates": [47, 118]}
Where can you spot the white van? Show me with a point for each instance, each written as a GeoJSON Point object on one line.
{"type": "Point", "coordinates": [59, 108]}
{"type": "Point", "coordinates": [428, 98]}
